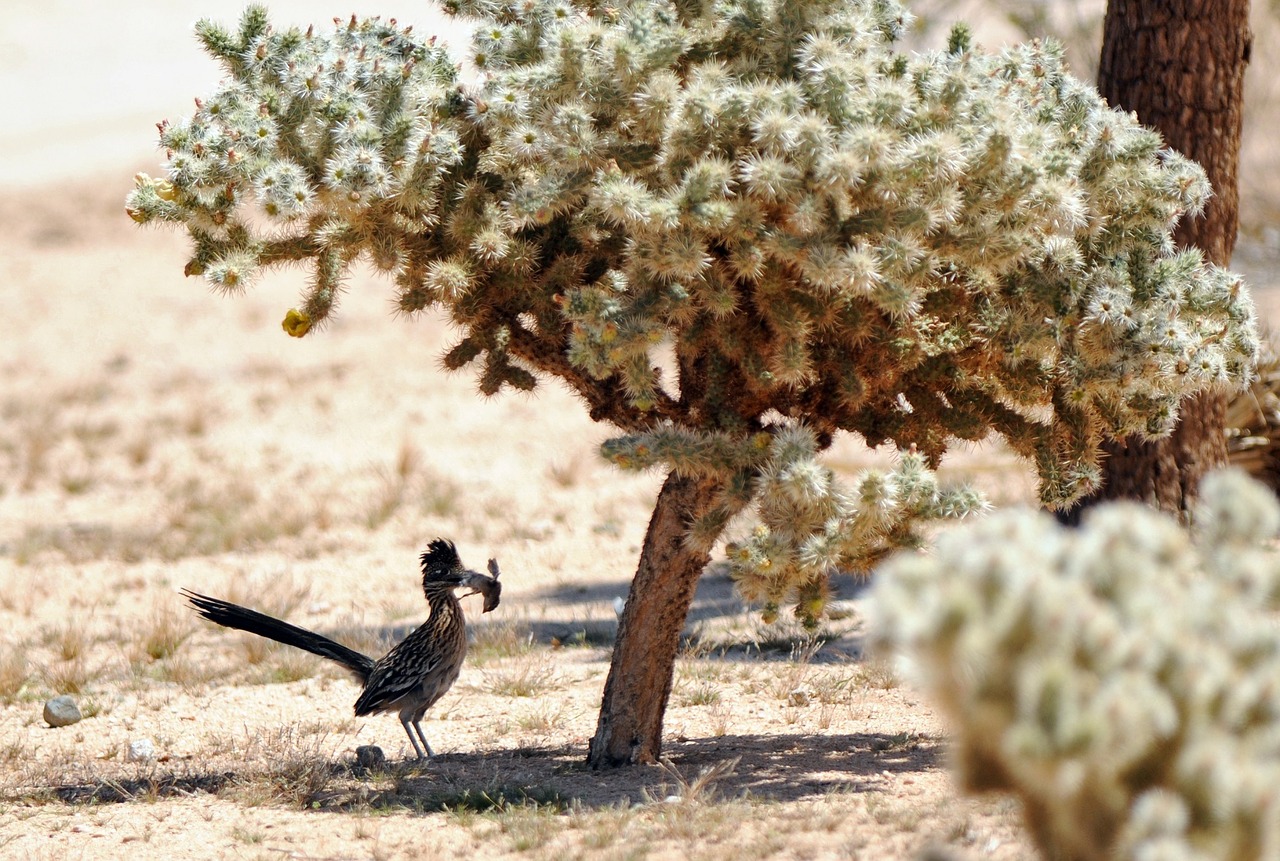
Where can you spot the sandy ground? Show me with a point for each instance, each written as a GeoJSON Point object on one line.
{"type": "Point", "coordinates": [153, 437]}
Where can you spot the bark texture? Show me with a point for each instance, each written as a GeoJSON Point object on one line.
{"type": "Point", "coordinates": [1180, 65]}
{"type": "Point", "coordinates": [644, 657]}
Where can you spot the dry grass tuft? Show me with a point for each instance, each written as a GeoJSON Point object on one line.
{"type": "Point", "coordinates": [687, 809]}
{"type": "Point", "coordinates": [70, 642]}
{"type": "Point", "coordinates": [439, 496]}
{"type": "Point", "coordinates": [37, 435]}
{"type": "Point", "coordinates": [876, 675]}
{"type": "Point", "coordinates": [289, 665]}
{"type": "Point", "coordinates": [526, 676]}
{"type": "Point", "coordinates": [408, 481]}
{"type": "Point", "coordinates": [15, 670]}
{"type": "Point", "coordinates": [163, 631]}
{"type": "Point", "coordinates": [67, 677]}
{"type": "Point", "coordinates": [497, 641]}
{"type": "Point", "coordinates": [528, 826]}
{"type": "Point", "coordinates": [543, 719]}
{"type": "Point", "coordinates": [298, 768]}
{"type": "Point", "coordinates": [567, 473]}
{"type": "Point", "coordinates": [182, 669]}
{"type": "Point", "coordinates": [699, 789]}
{"type": "Point", "coordinates": [699, 694]}
{"type": "Point", "coordinates": [393, 484]}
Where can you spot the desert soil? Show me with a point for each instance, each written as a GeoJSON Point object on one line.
{"type": "Point", "coordinates": [154, 436]}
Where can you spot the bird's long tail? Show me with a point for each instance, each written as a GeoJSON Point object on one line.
{"type": "Point", "coordinates": [230, 615]}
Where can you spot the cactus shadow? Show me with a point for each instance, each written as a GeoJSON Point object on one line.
{"type": "Point", "coordinates": [769, 768]}
{"type": "Point", "coordinates": [720, 624]}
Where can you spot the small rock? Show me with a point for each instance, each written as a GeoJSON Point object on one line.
{"type": "Point", "coordinates": [370, 756]}
{"type": "Point", "coordinates": [61, 711]}
{"type": "Point", "coordinates": [799, 696]}
{"type": "Point", "coordinates": [141, 750]}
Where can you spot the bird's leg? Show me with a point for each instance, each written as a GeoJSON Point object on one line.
{"type": "Point", "coordinates": [418, 726]}
{"type": "Point", "coordinates": [404, 722]}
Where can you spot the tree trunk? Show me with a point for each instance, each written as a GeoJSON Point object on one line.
{"type": "Point", "coordinates": [1180, 64]}
{"type": "Point", "coordinates": [644, 656]}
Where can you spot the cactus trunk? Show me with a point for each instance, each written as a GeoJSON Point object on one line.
{"type": "Point", "coordinates": [644, 657]}
{"type": "Point", "coordinates": [1149, 66]}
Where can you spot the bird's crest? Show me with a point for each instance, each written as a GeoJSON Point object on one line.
{"type": "Point", "coordinates": [441, 558]}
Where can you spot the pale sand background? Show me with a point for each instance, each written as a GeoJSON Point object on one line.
{"type": "Point", "coordinates": [154, 436]}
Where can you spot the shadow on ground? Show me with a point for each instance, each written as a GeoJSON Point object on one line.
{"type": "Point", "coordinates": [778, 768]}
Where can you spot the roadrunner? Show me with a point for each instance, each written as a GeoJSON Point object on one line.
{"type": "Point", "coordinates": [418, 670]}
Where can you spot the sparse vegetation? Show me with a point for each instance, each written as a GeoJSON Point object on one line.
{"type": "Point", "coordinates": [67, 676]}
{"type": "Point", "coordinates": [496, 641]}
{"type": "Point", "coordinates": [699, 694]}
{"type": "Point", "coordinates": [15, 670]}
{"type": "Point", "coordinates": [542, 719]}
{"type": "Point", "coordinates": [164, 630]}
{"type": "Point", "coordinates": [530, 675]}
{"type": "Point", "coordinates": [295, 767]}
{"type": "Point", "coordinates": [287, 665]}
{"type": "Point", "coordinates": [69, 641]}
{"type": "Point", "coordinates": [182, 669]}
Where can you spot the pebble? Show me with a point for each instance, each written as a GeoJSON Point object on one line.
{"type": "Point", "coordinates": [370, 756]}
{"type": "Point", "coordinates": [61, 711]}
{"type": "Point", "coordinates": [141, 750]}
{"type": "Point", "coordinates": [799, 696]}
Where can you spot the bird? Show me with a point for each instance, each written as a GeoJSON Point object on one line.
{"type": "Point", "coordinates": [418, 670]}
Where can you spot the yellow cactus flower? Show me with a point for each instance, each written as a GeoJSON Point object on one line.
{"type": "Point", "coordinates": [812, 608]}
{"type": "Point", "coordinates": [296, 323]}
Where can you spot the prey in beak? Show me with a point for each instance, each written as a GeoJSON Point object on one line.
{"type": "Point", "coordinates": [486, 585]}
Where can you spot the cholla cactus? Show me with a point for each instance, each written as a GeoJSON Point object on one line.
{"type": "Point", "coordinates": [828, 234]}
{"type": "Point", "coordinates": [1123, 680]}
{"type": "Point", "coordinates": [810, 524]}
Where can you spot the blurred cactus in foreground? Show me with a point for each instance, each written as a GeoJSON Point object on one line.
{"type": "Point", "coordinates": [1123, 680]}
{"type": "Point", "coordinates": [826, 234]}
